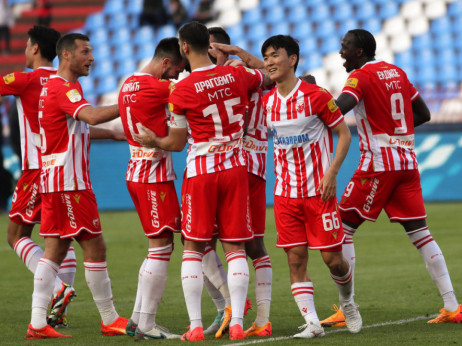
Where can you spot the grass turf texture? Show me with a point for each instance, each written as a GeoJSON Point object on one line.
{"type": "Point", "coordinates": [391, 285]}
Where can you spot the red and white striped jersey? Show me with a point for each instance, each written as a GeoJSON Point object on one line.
{"type": "Point", "coordinates": [383, 116]}
{"type": "Point", "coordinates": [256, 138]}
{"type": "Point", "coordinates": [143, 99]}
{"type": "Point", "coordinates": [65, 139]}
{"type": "Point", "coordinates": [213, 100]}
{"type": "Point", "coordinates": [303, 144]}
{"type": "Point", "coordinates": [26, 86]}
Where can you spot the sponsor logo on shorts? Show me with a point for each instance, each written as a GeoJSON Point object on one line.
{"type": "Point", "coordinates": [32, 200]}
{"type": "Point", "coordinates": [154, 212]}
{"type": "Point", "coordinates": [96, 223]}
{"type": "Point", "coordinates": [76, 198]}
{"type": "Point", "coordinates": [162, 195]}
{"type": "Point", "coordinates": [189, 212]}
{"type": "Point", "coordinates": [370, 197]}
{"type": "Point", "coordinates": [334, 234]}
{"type": "Point", "coordinates": [70, 210]}
{"type": "Point", "coordinates": [24, 186]}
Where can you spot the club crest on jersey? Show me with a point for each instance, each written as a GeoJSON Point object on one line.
{"type": "Point", "coordinates": [9, 78]}
{"type": "Point", "coordinates": [73, 95]}
{"type": "Point", "coordinates": [352, 82]}
{"type": "Point", "coordinates": [332, 106]}
{"type": "Point", "coordinates": [300, 106]}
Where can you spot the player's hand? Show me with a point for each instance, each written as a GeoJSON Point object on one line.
{"type": "Point", "coordinates": [226, 48]}
{"type": "Point", "coordinates": [328, 186]}
{"type": "Point", "coordinates": [308, 78]}
{"type": "Point", "coordinates": [219, 55]}
{"type": "Point", "coordinates": [146, 137]}
{"type": "Point", "coordinates": [235, 62]}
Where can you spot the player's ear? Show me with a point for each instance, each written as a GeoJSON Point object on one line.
{"type": "Point", "coordinates": [165, 62]}
{"type": "Point", "coordinates": [35, 48]}
{"type": "Point", "coordinates": [292, 60]}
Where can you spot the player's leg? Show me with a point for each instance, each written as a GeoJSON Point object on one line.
{"type": "Point", "coordinates": [135, 317]}
{"type": "Point", "coordinates": [407, 207]}
{"type": "Point", "coordinates": [256, 250]}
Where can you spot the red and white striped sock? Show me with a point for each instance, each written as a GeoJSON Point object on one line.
{"type": "Point", "coordinates": [99, 284]}
{"type": "Point", "coordinates": [193, 282]}
{"type": "Point", "coordinates": [303, 294]}
{"type": "Point", "coordinates": [238, 283]}
{"type": "Point", "coordinates": [263, 285]}
{"type": "Point", "coordinates": [68, 267]}
{"type": "Point", "coordinates": [436, 265]}
{"type": "Point", "coordinates": [44, 279]}
{"type": "Point", "coordinates": [153, 285]}
{"type": "Point", "coordinates": [344, 284]}
{"type": "Point", "coordinates": [29, 252]}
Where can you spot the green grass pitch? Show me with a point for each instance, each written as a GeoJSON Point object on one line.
{"type": "Point", "coordinates": [394, 291]}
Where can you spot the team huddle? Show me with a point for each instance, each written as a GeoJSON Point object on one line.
{"type": "Point", "coordinates": [223, 109]}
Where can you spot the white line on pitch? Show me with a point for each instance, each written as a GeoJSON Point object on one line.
{"type": "Point", "coordinates": [390, 323]}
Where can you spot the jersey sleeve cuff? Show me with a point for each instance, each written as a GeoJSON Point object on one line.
{"type": "Point", "coordinates": [352, 94]}
{"type": "Point", "coordinates": [79, 108]}
{"type": "Point", "coordinates": [178, 121]}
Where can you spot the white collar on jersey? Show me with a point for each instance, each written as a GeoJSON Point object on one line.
{"type": "Point", "coordinates": [291, 93]}
{"type": "Point", "coordinates": [142, 74]}
{"type": "Point", "coordinates": [372, 62]}
{"type": "Point", "coordinates": [204, 68]}
{"type": "Point", "coordinates": [49, 68]}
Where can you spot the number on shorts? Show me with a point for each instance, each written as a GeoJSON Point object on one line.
{"type": "Point", "coordinates": [349, 189]}
{"type": "Point", "coordinates": [330, 221]}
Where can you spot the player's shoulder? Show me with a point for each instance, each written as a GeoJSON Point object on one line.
{"type": "Point", "coordinates": [315, 90]}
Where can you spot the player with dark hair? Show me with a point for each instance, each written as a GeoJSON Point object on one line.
{"type": "Point", "coordinates": [387, 107]}
{"type": "Point", "coordinates": [26, 207]}
{"type": "Point", "coordinates": [209, 106]}
{"type": "Point", "coordinates": [302, 117]}
{"type": "Point", "coordinates": [69, 208]}
{"type": "Point", "coordinates": [143, 100]}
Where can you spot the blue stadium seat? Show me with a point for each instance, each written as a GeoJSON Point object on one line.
{"type": "Point", "coordinates": [106, 84]}
{"type": "Point", "coordinates": [235, 32]}
{"type": "Point", "coordinates": [164, 31]}
{"type": "Point", "coordinates": [124, 51]}
{"type": "Point", "coordinates": [297, 14]}
{"type": "Point", "coordinates": [134, 6]}
{"type": "Point", "coordinates": [126, 68]}
{"type": "Point", "coordinates": [293, 3]}
{"type": "Point", "coordinates": [373, 25]}
{"type": "Point", "coordinates": [425, 75]}
{"type": "Point", "coordinates": [275, 14]}
{"type": "Point", "coordinates": [319, 13]}
{"type": "Point", "coordinates": [313, 60]}
{"type": "Point", "coordinates": [117, 20]}
{"type": "Point", "coordinates": [446, 74]}
{"type": "Point", "coordinates": [422, 41]}
{"type": "Point", "coordinates": [99, 36]}
{"type": "Point", "coordinates": [120, 36]}
{"type": "Point", "coordinates": [443, 40]}
{"type": "Point", "coordinates": [404, 60]}
{"type": "Point", "coordinates": [95, 21]}
{"type": "Point", "coordinates": [252, 16]}
{"type": "Point", "coordinates": [101, 52]}
{"type": "Point", "coordinates": [257, 32]}
{"type": "Point", "coordinates": [455, 10]}
{"type": "Point", "coordinates": [365, 11]}
{"type": "Point", "coordinates": [410, 73]}
{"type": "Point", "coordinates": [302, 28]}
{"type": "Point", "coordinates": [425, 58]}
{"type": "Point", "coordinates": [144, 34]}
{"type": "Point", "coordinates": [330, 44]}
{"type": "Point", "coordinates": [113, 7]}
{"type": "Point", "coordinates": [242, 42]}
{"type": "Point", "coordinates": [325, 29]}
{"type": "Point", "coordinates": [102, 68]}
{"type": "Point", "coordinates": [342, 11]}
{"type": "Point", "coordinates": [388, 9]}
{"type": "Point", "coordinates": [347, 25]}
{"type": "Point", "coordinates": [308, 45]}
{"type": "Point", "coordinates": [446, 57]}
{"type": "Point", "coordinates": [441, 25]}
{"type": "Point", "coordinates": [256, 47]}
{"type": "Point", "coordinates": [87, 84]}
{"type": "Point", "coordinates": [267, 4]}
{"type": "Point", "coordinates": [281, 28]}
{"type": "Point", "coordinates": [145, 50]}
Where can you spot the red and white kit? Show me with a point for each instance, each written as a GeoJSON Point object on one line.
{"type": "Point", "coordinates": [387, 176]}
{"type": "Point", "coordinates": [143, 100]}
{"type": "Point", "coordinates": [26, 86]}
{"type": "Point", "coordinates": [211, 102]}
{"type": "Point", "coordinates": [303, 146]}
{"type": "Point", "coordinates": [65, 162]}
{"type": "Point", "coordinates": [303, 143]}
{"type": "Point", "coordinates": [383, 116]}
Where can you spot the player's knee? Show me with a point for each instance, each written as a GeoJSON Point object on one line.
{"type": "Point", "coordinates": [16, 232]}
{"type": "Point", "coordinates": [255, 248]}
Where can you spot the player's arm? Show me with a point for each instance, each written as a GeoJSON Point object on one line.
{"type": "Point", "coordinates": [328, 184]}
{"type": "Point", "coordinates": [345, 102]}
{"type": "Point", "coordinates": [98, 115]}
{"type": "Point", "coordinates": [100, 133]}
{"type": "Point", "coordinates": [420, 111]}
{"type": "Point", "coordinates": [249, 59]}
{"type": "Point", "coordinates": [175, 141]}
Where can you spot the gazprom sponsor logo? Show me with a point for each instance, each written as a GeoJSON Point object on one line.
{"type": "Point", "coordinates": [289, 140]}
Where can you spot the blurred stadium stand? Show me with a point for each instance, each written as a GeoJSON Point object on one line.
{"type": "Point", "coordinates": [424, 37]}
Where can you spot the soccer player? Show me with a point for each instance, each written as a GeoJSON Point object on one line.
{"type": "Point", "coordinates": [255, 148]}
{"type": "Point", "coordinates": [302, 117]}
{"type": "Point", "coordinates": [387, 107]}
{"type": "Point", "coordinates": [209, 105]}
{"type": "Point", "coordinates": [26, 207]}
{"type": "Point", "coordinates": [143, 100]}
{"type": "Point", "coordinates": [68, 203]}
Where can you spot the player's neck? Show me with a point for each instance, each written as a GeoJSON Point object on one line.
{"type": "Point", "coordinates": [41, 63]}
{"type": "Point", "coordinates": [199, 60]}
{"type": "Point", "coordinates": [67, 74]}
{"type": "Point", "coordinates": [286, 85]}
